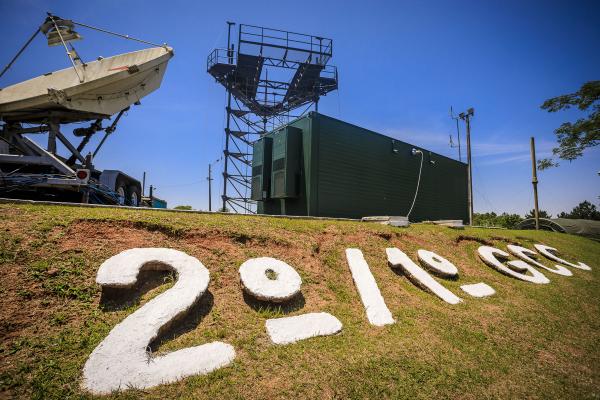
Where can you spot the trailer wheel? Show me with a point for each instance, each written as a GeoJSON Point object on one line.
{"type": "Point", "coordinates": [121, 195]}
{"type": "Point", "coordinates": [121, 190]}
{"type": "Point", "coordinates": [133, 196]}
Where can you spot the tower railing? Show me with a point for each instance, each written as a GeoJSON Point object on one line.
{"type": "Point", "coordinates": [268, 74]}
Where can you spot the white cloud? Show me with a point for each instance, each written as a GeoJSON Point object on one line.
{"type": "Point", "coordinates": [419, 138]}
{"type": "Point", "coordinates": [494, 152]}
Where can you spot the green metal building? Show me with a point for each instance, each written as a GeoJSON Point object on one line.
{"type": "Point", "coordinates": [321, 166]}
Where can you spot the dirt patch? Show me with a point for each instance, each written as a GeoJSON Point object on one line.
{"type": "Point", "coordinates": [385, 235]}
{"type": "Point", "coordinates": [83, 235]}
{"type": "Point", "coordinates": [462, 238]}
{"type": "Point", "coordinates": [506, 240]}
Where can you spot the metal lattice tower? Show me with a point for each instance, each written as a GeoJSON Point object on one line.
{"type": "Point", "coordinates": [270, 74]}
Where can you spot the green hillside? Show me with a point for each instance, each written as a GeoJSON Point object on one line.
{"type": "Point", "coordinates": [527, 341]}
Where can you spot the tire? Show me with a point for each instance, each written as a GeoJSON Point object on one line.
{"type": "Point", "coordinates": [121, 195]}
{"type": "Point", "coordinates": [128, 190]}
{"type": "Point", "coordinates": [121, 191]}
{"type": "Point", "coordinates": [133, 196]}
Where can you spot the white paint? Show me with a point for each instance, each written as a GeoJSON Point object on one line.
{"type": "Point", "coordinates": [437, 264]}
{"type": "Point", "coordinates": [286, 285]}
{"type": "Point", "coordinates": [121, 361]}
{"type": "Point", "coordinates": [488, 255]}
{"type": "Point", "coordinates": [524, 254]}
{"type": "Point", "coordinates": [377, 311]}
{"type": "Point", "coordinates": [420, 277]}
{"type": "Point", "coordinates": [548, 252]}
{"type": "Point", "coordinates": [479, 289]}
{"type": "Point", "coordinates": [519, 267]}
{"type": "Point", "coordinates": [292, 329]}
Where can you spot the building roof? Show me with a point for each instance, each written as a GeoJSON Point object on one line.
{"type": "Point", "coordinates": [581, 227]}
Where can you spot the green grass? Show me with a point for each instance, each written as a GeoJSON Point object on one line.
{"type": "Point", "coordinates": [527, 341]}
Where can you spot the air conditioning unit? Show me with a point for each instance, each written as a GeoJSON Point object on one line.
{"type": "Point", "coordinates": [285, 167]}
{"type": "Point", "coordinates": [261, 169]}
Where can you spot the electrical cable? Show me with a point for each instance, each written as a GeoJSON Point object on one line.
{"type": "Point", "coordinates": [418, 182]}
{"type": "Point", "coordinates": [6, 68]}
{"type": "Point", "coordinates": [483, 189]}
{"type": "Point", "coordinates": [118, 34]}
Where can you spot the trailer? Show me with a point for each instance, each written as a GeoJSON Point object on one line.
{"type": "Point", "coordinates": [97, 93]}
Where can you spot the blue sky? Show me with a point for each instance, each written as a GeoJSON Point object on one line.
{"type": "Point", "coordinates": [401, 64]}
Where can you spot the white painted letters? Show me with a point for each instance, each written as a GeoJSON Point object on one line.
{"type": "Point", "coordinates": [377, 311]}
{"type": "Point", "coordinates": [437, 265]}
{"type": "Point", "coordinates": [284, 285]}
{"type": "Point", "coordinates": [489, 256]}
{"type": "Point", "coordinates": [526, 255]}
{"type": "Point", "coordinates": [397, 259]}
{"type": "Point", "coordinates": [121, 361]}
{"type": "Point", "coordinates": [292, 329]}
{"type": "Point", "coordinates": [478, 289]}
{"type": "Point", "coordinates": [548, 252]}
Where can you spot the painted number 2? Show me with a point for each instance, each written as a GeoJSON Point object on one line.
{"type": "Point", "coordinates": [121, 360]}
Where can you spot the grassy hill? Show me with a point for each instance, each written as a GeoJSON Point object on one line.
{"type": "Point", "coordinates": [527, 341]}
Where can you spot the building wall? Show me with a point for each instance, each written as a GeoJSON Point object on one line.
{"type": "Point", "coordinates": [351, 172]}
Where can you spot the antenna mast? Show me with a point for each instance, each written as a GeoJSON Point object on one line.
{"type": "Point", "coordinates": [457, 134]}
{"type": "Point", "coordinates": [270, 73]}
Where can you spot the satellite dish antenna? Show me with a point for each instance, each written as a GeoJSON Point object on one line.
{"type": "Point", "coordinates": [59, 30]}
{"type": "Point", "coordinates": [97, 89]}
{"type": "Point", "coordinates": [85, 92]}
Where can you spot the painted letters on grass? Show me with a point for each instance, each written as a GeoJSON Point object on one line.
{"type": "Point", "coordinates": [122, 361]}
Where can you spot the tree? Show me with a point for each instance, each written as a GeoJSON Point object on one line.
{"type": "Point", "coordinates": [503, 220]}
{"type": "Point", "coordinates": [183, 208]}
{"type": "Point", "coordinates": [574, 138]}
{"type": "Point", "coordinates": [542, 214]}
{"type": "Point", "coordinates": [509, 221]}
{"type": "Point", "coordinates": [584, 210]}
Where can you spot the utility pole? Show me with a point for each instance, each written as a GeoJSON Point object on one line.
{"type": "Point", "coordinates": [467, 118]}
{"type": "Point", "coordinates": [143, 183]}
{"type": "Point", "coordinates": [534, 182]}
{"type": "Point", "coordinates": [209, 179]}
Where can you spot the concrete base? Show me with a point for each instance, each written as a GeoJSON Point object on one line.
{"type": "Point", "coordinates": [450, 223]}
{"type": "Point", "coordinates": [398, 221]}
